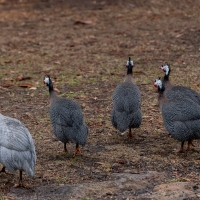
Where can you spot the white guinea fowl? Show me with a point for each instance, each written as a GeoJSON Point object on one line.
{"type": "Point", "coordinates": [17, 150]}
{"type": "Point", "coordinates": [67, 119]}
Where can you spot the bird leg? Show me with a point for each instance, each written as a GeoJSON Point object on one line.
{"type": "Point", "coordinates": [77, 150]}
{"type": "Point", "coordinates": [182, 150]}
{"type": "Point", "coordinates": [190, 143]}
{"type": "Point", "coordinates": [3, 169]}
{"type": "Point", "coordinates": [65, 147]}
{"type": "Point", "coordinates": [20, 183]}
{"type": "Point", "coordinates": [130, 135]}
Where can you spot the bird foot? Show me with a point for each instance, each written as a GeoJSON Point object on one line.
{"type": "Point", "coordinates": [3, 170]}
{"type": "Point", "coordinates": [179, 151]}
{"type": "Point", "coordinates": [130, 136]}
{"type": "Point", "coordinates": [189, 144]}
{"type": "Point", "coordinates": [192, 144]}
{"type": "Point", "coordinates": [76, 151]}
{"type": "Point", "coordinates": [20, 184]}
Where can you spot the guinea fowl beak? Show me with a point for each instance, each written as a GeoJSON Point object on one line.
{"type": "Point", "coordinates": [155, 85]}
{"type": "Point", "coordinates": [160, 67]}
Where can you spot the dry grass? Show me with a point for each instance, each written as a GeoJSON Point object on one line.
{"type": "Point", "coordinates": [86, 62]}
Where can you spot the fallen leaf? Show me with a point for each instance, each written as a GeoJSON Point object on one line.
{"type": "Point", "coordinates": [26, 85]}
{"type": "Point", "coordinates": [48, 140]}
{"type": "Point", "coordinates": [121, 161]}
{"type": "Point", "coordinates": [139, 72]}
{"type": "Point", "coordinates": [33, 88]}
{"type": "Point", "coordinates": [57, 62]}
{"type": "Point", "coordinates": [86, 22]}
{"type": "Point", "coordinates": [57, 90]}
{"type": "Point", "coordinates": [4, 87]}
{"type": "Point", "coordinates": [8, 61]}
{"type": "Point", "coordinates": [11, 198]}
{"type": "Point", "coordinates": [146, 116]}
{"type": "Point", "coordinates": [21, 78]}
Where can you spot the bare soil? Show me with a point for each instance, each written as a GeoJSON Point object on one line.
{"type": "Point", "coordinates": [83, 46]}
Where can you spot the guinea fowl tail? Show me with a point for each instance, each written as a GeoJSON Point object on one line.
{"type": "Point", "coordinates": [78, 134]}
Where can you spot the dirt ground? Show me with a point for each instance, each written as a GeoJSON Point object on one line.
{"type": "Point", "coordinates": [83, 46]}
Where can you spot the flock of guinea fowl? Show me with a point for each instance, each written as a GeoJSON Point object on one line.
{"type": "Point", "coordinates": [180, 107]}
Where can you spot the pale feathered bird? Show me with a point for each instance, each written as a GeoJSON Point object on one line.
{"type": "Point", "coordinates": [126, 112]}
{"type": "Point", "coordinates": [67, 119]}
{"type": "Point", "coordinates": [17, 150]}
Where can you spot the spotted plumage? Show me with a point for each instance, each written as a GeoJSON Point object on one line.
{"type": "Point", "coordinates": [126, 112]}
{"type": "Point", "coordinates": [177, 92]}
{"type": "Point", "coordinates": [67, 119]}
{"type": "Point", "coordinates": [17, 150]}
{"type": "Point", "coordinates": [181, 116]}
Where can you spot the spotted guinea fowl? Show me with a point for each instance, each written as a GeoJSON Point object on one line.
{"type": "Point", "coordinates": [17, 150]}
{"type": "Point", "coordinates": [181, 116]}
{"type": "Point", "coordinates": [67, 119]}
{"type": "Point", "coordinates": [174, 92]}
{"type": "Point", "coordinates": [126, 112]}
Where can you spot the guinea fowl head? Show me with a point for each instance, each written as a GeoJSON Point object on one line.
{"type": "Point", "coordinates": [48, 82]}
{"type": "Point", "coordinates": [165, 68]}
{"type": "Point", "coordinates": [159, 84]}
{"type": "Point", "coordinates": [129, 65]}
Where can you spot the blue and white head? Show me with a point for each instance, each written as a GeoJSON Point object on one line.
{"type": "Point", "coordinates": [158, 84]}
{"type": "Point", "coordinates": [165, 68]}
{"type": "Point", "coordinates": [129, 65]}
{"type": "Point", "coordinates": [47, 80]}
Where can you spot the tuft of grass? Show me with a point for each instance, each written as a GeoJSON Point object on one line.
{"type": "Point", "coordinates": [70, 94]}
{"type": "Point", "coordinates": [62, 180]}
{"type": "Point", "coordinates": [74, 159]}
{"type": "Point", "coordinates": [71, 79]}
{"type": "Point", "coordinates": [73, 82]}
{"type": "Point", "coordinates": [177, 180]}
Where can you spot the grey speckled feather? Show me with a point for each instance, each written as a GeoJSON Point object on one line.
{"type": "Point", "coordinates": [126, 107]}
{"type": "Point", "coordinates": [181, 116]}
{"type": "Point", "coordinates": [17, 150]}
{"type": "Point", "coordinates": [126, 112]}
{"type": "Point", "coordinates": [67, 121]}
{"type": "Point", "coordinates": [182, 119]}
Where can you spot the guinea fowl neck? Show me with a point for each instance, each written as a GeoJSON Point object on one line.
{"type": "Point", "coordinates": [166, 81]}
{"type": "Point", "coordinates": [129, 76]}
{"type": "Point", "coordinates": [50, 86]}
{"type": "Point", "coordinates": [51, 90]}
{"type": "Point", "coordinates": [161, 96]}
{"type": "Point", "coordinates": [129, 69]}
{"type": "Point", "coordinates": [166, 77]}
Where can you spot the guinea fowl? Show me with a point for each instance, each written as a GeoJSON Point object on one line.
{"type": "Point", "coordinates": [126, 112]}
{"type": "Point", "coordinates": [17, 150]}
{"type": "Point", "coordinates": [174, 92]}
{"type": "Point", "coordinates": [181, 116]}
{"type": "Point", "coordinates": [67, 119]}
